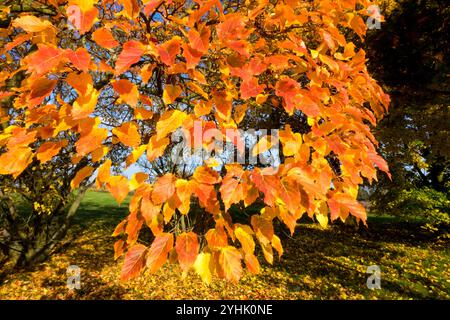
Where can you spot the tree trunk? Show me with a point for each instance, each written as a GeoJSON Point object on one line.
{"type": "Point", "coordinates": [41, 244]}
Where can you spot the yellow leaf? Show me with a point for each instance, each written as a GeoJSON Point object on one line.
{"type": "Point", "coordinates": [155, 147]}
{"type": "Point", "coordinates": [202, 267]}
{"type": "Point", "coordinates": [135, 155]}
{"type": "Point", "coordinates": [137, 179]}
{"type": "Point", "coordinates": [169, 122]}
{"type": "Point", "coordinates": [171, 93]}
{"type": "Point", "coordinates": [322, 215]}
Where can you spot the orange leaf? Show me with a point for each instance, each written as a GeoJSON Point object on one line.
{"type": "Point", "coordinates": [118, 186]}
{"type": "Point", "coordinates": [169, 50]}
{"type": "Point", "coordinates": [80, 58]}
{"type": "Point", "coordinates": [46, 58]}
{"type": "Point", "coordinates": [91, 141]}
{"type": "Point", "coordinates": [119, 246]}
{"type": "Point", "coordinates": [128, 91]}
{"type": "Point", "coordinates": [171, 93]}
{"type": "Point", "coordinates": [184, 193]}
{"type": "Point", "coordinates": [252, 263]}
{"type": "Point", "coordinates": [85, 105]}
{"type": "Point", "coordinates": [217, 237]}
{"type": "Point", "coordinates": [230, 263]}
{"type": "Point", "coordinates": [14, 161]}
{"type": "Point", "coordinates": [40, 89]}
{"type": "Point", "coordinates": [81, 176]}
{"type": "Point", "coordinates": [131, 54]}
{"type": "Point", "coordinates": [48, 150]}
{"type": "Point", "coordinates": [155, 147]}
{"type": "Point", "coordinates": [276, 244]}
{"type": "Point", "coordinates": [206, 175]}
{"type": "Point", "coordinates": [163, 188]}
{"type": "Point", "coordinates": [134, 262]}
{"type": "Point", "coordinates": [223, 104]}
{"type": "Point", "coordinates": [128, 134]}
{"type": "Point", "coordinates": [31, 24]}
{"type": "Point", "coordinates": [81, 19]}
{"type": "Point", "coordinates": [104, 38]}
{"type": "Point", "coordinates": [104, 172]}
{"type": "Point", "coordinates": [187, 249]}
{"type": "Point", "coordinates": [169, 122]}
{"type": "Point", "coordinates": [246, 240]}
{"type": "Point", "coordinates": [159, 250]}
{"type": "Point", "coordinates": [288, 89]}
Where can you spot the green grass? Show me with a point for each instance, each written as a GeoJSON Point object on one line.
{"type": "Point", "coordinates": [317, 264]}
{"type": "Point", "coordinates": [100, 209]}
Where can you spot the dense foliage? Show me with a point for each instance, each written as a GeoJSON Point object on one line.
{"type": "Point", "coordinates": [109, 83]}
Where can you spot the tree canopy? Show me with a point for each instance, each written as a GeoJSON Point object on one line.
{"type": "Point", "coordinates": [109, 83]}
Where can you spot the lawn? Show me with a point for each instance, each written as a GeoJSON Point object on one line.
{"type": "Point", "coordinates": [317, 264]}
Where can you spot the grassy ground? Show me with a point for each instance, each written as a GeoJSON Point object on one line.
{"type": "Point", "coordinates": [317, 264]}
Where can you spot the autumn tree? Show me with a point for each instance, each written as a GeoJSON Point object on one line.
{"type": "Point", "coordinates": [127, 79]}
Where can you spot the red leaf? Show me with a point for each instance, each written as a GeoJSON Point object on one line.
{"type": "Point", "coordinates": [134, 262]}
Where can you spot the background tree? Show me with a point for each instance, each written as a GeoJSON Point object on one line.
{"type": "Point", "coordinates": [408, 56]}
